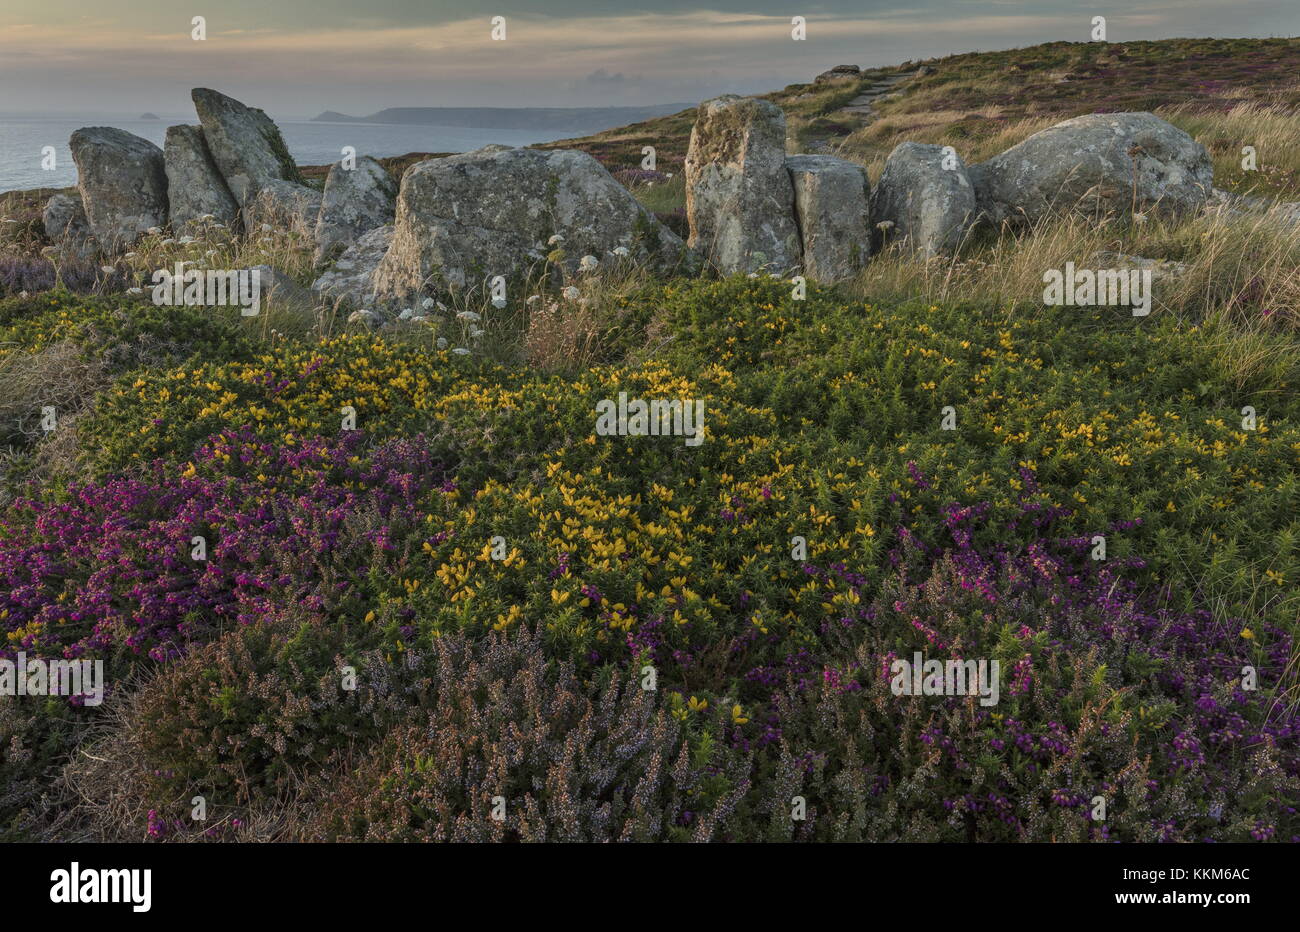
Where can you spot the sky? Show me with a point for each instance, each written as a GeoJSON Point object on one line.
{"type": "Point", "coordinates": [296, 58]}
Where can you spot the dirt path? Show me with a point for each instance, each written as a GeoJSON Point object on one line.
{"type": "Point", "coordinates": [861, 106]}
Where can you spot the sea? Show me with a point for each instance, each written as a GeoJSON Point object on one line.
{"type": "Point", "coordinates": [23, 139]}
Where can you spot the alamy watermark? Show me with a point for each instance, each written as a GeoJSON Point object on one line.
{"type": "Point", "coordinates": [104, 885]}
{"type": "Point", "coordinates": [40, 677]}
{"type": "Point", "coordinates": [209, 288]}
{"type": "Point", "coordinates": [1101, 288]}
{"type": "Point", "coordinates": [921, 677]}
{"type": "Point", "coordinates": [656, 418]}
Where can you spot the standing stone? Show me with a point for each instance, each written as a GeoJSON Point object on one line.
{"type": "Point", "coordinates": [351, 277]}
{"type": "Point", "coordinates": [925, 193]}
{"type": "Point", "coordinates": [739, 199]}
{"type": "Point", "coordinates": [65, 225]}
{"type": "Point", "coordinates": [122, 182]}
{"type": "Point", "coordinates": [1097, 165]}
{"type": "Point", "coordinates": [356, 201]}
{"type": "Point", "coordinates": [831, 208]}
{"type": "Point", "coordinates": [194, 185]}
{"type": "Point", "coordinates": [285, 207]}
{"type": "Point", "coordinates": [284, 294]}
{"type": "Point", "coordinates": [245, 144]}
{"type": "Point", "coordinates": [464, 219]}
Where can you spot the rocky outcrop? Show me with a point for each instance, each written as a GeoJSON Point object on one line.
{"type": "Point", "coordinates": [194, 185]}
{"type": "Point", "coordinates": [122, 182]}
{"type": "Point", "coordinates": [245, 144]}
{"type": "Point", "coordinates": [351, 277]}
{"type": "Point", "coordinates": [499, 211]}
{"type": "Point", "coordinates": [284, 206]}
{"type": "Point", "coordinates": [1099, 165]}
{"type": "Point", "coordinates": [286, 295]}
{"type": "Point", "coordinates": [356, 201]}
{"type": "Point", "coordinates": [1163, 271]}
{"type": "Point", "coordinates": [924, 198]}
{"type": "Point", "coordinates": [1230, 206]}
{"type": "Point", "coordinates": [831, 199]}
{"type": "Point", "coordinates": [739, 198]}
{"type": "Point", "coordinates": [65, 224]}
{"type": "Point", "coordinates": [838, 73]}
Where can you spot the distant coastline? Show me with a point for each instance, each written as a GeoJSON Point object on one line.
{"type": "Point", "coordinates": [551, 119]}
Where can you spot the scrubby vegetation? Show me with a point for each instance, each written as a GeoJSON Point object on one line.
{"type": "Point", "coordinates": [372, 549]}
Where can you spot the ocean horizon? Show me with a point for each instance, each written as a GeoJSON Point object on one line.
{"type": "Point", "coordinates": [23, 138]}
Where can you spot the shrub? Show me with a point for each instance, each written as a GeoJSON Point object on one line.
{"type": "Point", "coordinates": [568, 761]}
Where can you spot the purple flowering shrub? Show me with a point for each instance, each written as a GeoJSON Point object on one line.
{"type": "Point", "coordinates": [32, 274]}
{"type": "Point", "coordinates": [1105, 692]}
{"type": "Point", "coordinates": [111, 567]}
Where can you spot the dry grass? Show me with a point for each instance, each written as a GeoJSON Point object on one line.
{"type": "Point", "coordinates": [1243, 267]}
{"type": "Point", "coordinates": [575, 325]}
{"type": "Point", "coordinates": [98, 794]}
{"type": "Point", "coordinates": [59, 376]}
{"type": "Point", "coordinates": [1272, 129]}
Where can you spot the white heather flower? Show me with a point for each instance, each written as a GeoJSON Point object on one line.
{"type": "Point", "coordinates": [475, 332]}
{"type": "Point", "coordinates": [622, 252]}
{"type": "Point", "coordinates": [588, 263]}
{"type": "Point", "coordinates": [427, 303]}
{"type": "Point", "coordinates": [555, 240]}
{"type": "Point", "coordinates": [442, 343]}
{"type": "Point", "coordinates": [461, 351]}
{"type": "Point", "coordinates": [468, 315]}
{"type": "Point", "coordinates": [571, 293]}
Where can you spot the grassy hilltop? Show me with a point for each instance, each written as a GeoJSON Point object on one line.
{"type": "Point", "coordinates": [519, 670]}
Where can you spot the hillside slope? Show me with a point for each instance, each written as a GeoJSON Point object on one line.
{"type": "Point", "coordinates": [983, 102]}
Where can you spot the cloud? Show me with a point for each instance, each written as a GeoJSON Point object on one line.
{"type": "Point", "coordinates": [340, 55]}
